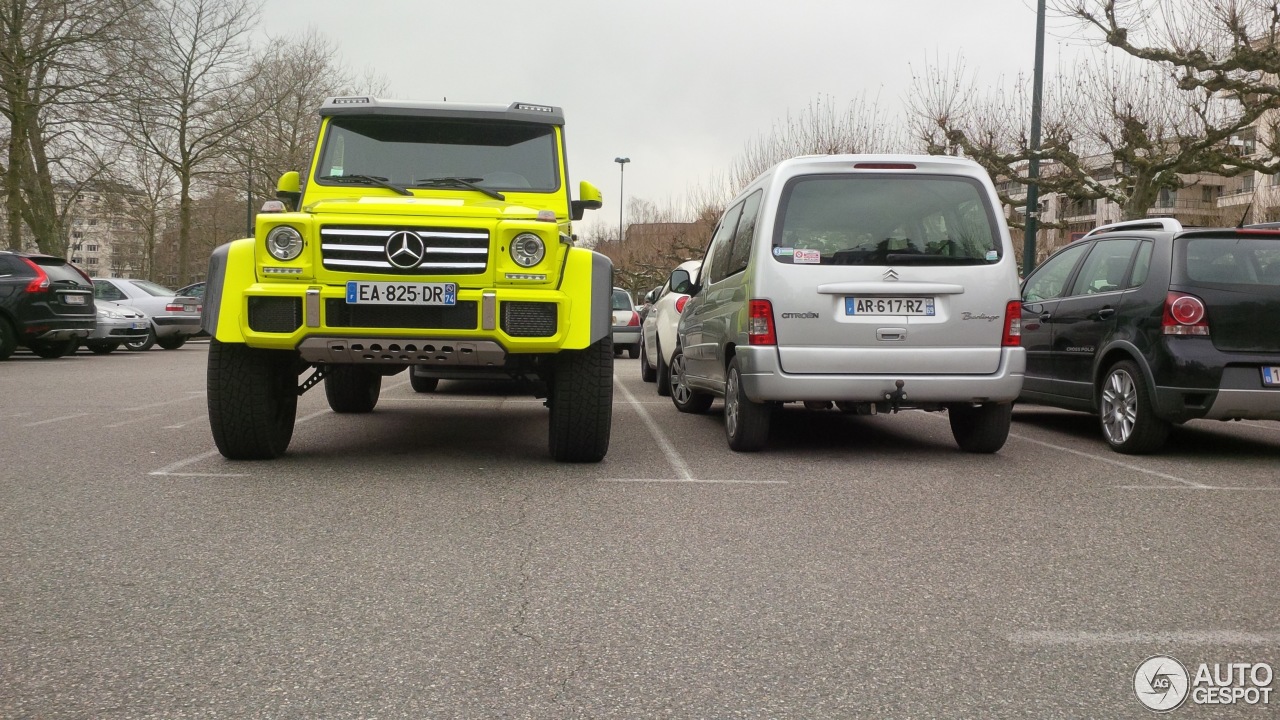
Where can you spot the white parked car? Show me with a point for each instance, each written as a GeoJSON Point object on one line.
{"type": "Point", "coordinates": [174, 318]}
{"type": "Point", "coordinates": [626, 324]}
{"type": "Point", "coordinates": [658, 336]}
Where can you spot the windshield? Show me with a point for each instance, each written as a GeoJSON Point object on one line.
{"type": "Point", "coordinates": [885, 219]}
{"type": "Point", "coordinates": [439, 153]}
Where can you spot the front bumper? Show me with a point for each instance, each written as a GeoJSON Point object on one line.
{"type": "Point", "coordinates": [764, 380]}
{"type": "Point", "coordinates": [119, 330]}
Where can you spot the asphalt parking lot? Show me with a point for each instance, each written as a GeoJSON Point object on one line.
{"type": "Point", "coordinates": [429, 560]}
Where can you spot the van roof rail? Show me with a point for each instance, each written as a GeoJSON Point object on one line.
{"type": "Point", "coordinates": [1168, 224]}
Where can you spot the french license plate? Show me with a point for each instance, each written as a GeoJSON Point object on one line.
{"type": "Point", "coordinates": [138, 326]}
{"type": "Point", "coordinates": [73, 299]}
{"type": "Point", "coordinates": [889, 306]}
{"type": "Point", "coordinates": [1271, 375]}
{"type": "Point", "coordinates": [394, 293]}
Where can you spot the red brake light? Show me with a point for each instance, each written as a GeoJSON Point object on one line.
{"type": "Point", "coordinates": [681, 302]}
{"type": "Point", "coordinates": [173, 307]}
{"type": "Point", "coordinates": [635, 318]}
{"type": "Point", "coordinates": [40, 282]}
{"type": "Point", "coordinates": [884, 166]}
{"type": "Point", "coordinates": [760, 324]}
{"type": "Point", "coordinates": [1184, 315]}
{"type": "Point", "coordinates": [1012, 324]}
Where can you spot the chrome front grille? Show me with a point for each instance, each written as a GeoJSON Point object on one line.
{"type": "Point", "coordinates": [404, 250]}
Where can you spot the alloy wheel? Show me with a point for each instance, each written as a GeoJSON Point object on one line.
{"type": "Point", "coordinates": [680, 391]}
{"type": "Point", "coordinates": [731, 409]}
{"type": "Point", "coordinates": [1119, 406]}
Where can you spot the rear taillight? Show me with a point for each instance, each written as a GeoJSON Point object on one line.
{"type": "Point", "coordinates": [1184, 315]}
{"type": "Point", "coordinates": [635, 319]}
{"type": "Point", "coordinates": [1012, 324]}
{"type": "Point", "coordinates": [760, 324]}
{"type": "Point", "coordinates": [173, 307]}
{"type": "Point", "coordinates": [681, 302]}
{"type": "Point", "coordinates": [40, 282]}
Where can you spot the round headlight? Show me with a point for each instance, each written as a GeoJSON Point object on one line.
{"type": "Point", "coordinates": [284, 243]}
{"type": "Point", "coordinates": [527, 249]}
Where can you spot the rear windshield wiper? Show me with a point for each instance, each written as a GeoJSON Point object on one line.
{"type": "Point", "coordinates": [463, 182]}
{"type": "Point", "coordinates": [927, 259]}
{"type": "Point", "coordinates": [367, 179]}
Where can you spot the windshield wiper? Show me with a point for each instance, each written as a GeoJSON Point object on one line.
{"type": "Point", "coordinates": [367, 179]}
{"type": "Point", "coordinates": [464, 182]}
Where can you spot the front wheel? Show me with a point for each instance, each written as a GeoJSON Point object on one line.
{"type": "Point", "coordinates": [1129, 422]}
{"type": "Point", "coordinates": [746, 423]}
{"type": "Point", "coordinates": [172, 342]}
{"type": "Point", "coordinates": [253, 400]}
{"type": "Point", "coordinates": [581, 401]}
{"type": "Point", "coordinates": [145, 343]}
{"type": "Point", "coordinates": [980, 428]}
{"type": "Point", "coordinates": [686, 399]}
{"type": "Point", "coordinates": [352, 388]}
{"type": "Point", "coordinates": [647, 374]}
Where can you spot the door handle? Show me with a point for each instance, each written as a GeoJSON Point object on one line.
{"type": "Point", "coordinates": [1105, 313]}
{"type": "Point", "coordinates": [1044, 316]}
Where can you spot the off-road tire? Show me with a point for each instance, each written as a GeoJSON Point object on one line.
{"type": "Point", "coordinates": [746, 423]}
{"type": "Point", "coordinates": [647, 374]}
{"type": "Point", "coordinates": [352, 388]}
{"type": "Point", "coordinates": [51, 349]}
{"type": "Point", "coordinates": [253, 400]}
{"type": "Point", "coordinates": [982, 428]}
{"type": "Point", "coordinates": [685, 398]}
{"type": "Point", "coordinates": [172, 342]}
{"type": "Point", "coordinates": [1124, 390]}
{"type": "Point", "coordinates": [143, 344]}
{"type": "Point", "coordinates": [664, 374]}
{"type": "Point", "coordinates": [581, 401]}
{"type": "Point", "coordinates": [103, 348]}
{"type": "Point", "coordinates": [8, 339]}
{"type": "Point", "coordinates": [422, 384]}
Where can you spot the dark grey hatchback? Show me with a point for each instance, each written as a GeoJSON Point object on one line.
{"type": "Point", "coordinates": [1147, 324]}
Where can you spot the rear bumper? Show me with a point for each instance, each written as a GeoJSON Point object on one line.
{"type": "Point", "coordinates": [169, 325]}
{"type": "Point", "coordinates": [626, 335]}
{"type": "Point", "coordinates": [764, 380]}
{"type": "Point", "coordinates": [60, 328]}
{"type": "Point", "coordinates": [1239, 396]}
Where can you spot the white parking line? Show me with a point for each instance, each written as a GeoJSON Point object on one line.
{"type": "Point", "coordinates": [185, 423]}
{"type": "Point", "coordinates": [192, 396]}
{"type": "Point", "coordinates": [1273, 428]}
{"type": "Point", "coordinates": [1151, 638]}
{"type": "Point", "coordinates": [168, 470]}
{"type": "Point", "coordinates": [677, 463]}
{"type": "Point", "coordinates": [1117, 463]}
{"type": "Point", "coordinates": [693, 481]}
{"type": "Point", "coordinates": [1202, 487]}
{"type": "Point", "coordinates": [57, 419]}
{"type": "Point", "coordinates": [134, 420]}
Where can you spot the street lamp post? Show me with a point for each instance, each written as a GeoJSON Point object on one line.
{"type": "Point", "coordinates": [622, 166]}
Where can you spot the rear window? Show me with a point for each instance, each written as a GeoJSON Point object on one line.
{"type": "Point", "coordinates": [886, 219]}
{"type": "Point", "coordinates": [1232, 261]}
{"type": "Point", "coordinates": [151, 288]}
{"type": "Point", "coordinates": [60, 271]}
{"type": "Point", "coordinates": [622, 301]}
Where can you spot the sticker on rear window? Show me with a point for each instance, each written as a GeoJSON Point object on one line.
{"type": "Point", "coordinates": [992, 256]}
{"type": "Point", "coordinates": [807, 256]}
{"type": "Point", "coordinates": [783, 251]}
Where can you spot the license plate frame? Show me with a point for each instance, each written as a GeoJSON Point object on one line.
{"type": "Point", "coordinates": [1271, 376]}
{"type": "Point", "coordinates": [401, 293]}
{"type": "Point", "coordinates": [74, 299]}
{"type": "Point", "coordinates": [140, 325]}
{"type": "Point", "coordinates": [885, 306]}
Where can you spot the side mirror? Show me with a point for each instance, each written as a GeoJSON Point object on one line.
{"type": "Point", "coordinates": [681, 282]}
{"type": "Point", "coordinates": [589, 199]}
{"type": "Point", "coordinates": [289, 190]}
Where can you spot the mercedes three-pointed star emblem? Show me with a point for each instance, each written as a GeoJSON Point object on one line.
{"type": "Point", "coordinates": [405, 250]}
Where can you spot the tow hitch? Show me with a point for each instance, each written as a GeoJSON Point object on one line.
{"type": "Point", "coordinates": [897, 397]}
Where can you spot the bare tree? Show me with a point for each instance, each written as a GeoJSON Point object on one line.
{"type": "Point", "coordinates": [49, 72]}
{"type": "Point", "coordinates": [192, 86]}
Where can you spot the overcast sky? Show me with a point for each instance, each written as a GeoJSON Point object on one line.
{"type": "Point", "coordinates": [678, 87]}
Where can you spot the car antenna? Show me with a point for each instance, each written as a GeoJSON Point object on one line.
{"type": "Point", "coordinates": [1248, 207]}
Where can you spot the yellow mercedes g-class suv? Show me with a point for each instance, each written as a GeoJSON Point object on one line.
{"type": "Point", "coordinates": [433, 237]}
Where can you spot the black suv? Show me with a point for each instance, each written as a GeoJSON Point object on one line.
{"type": "Point", "coordinates": [1146, 323]}
{"type": "Point", "coordinates": [46, 303]}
